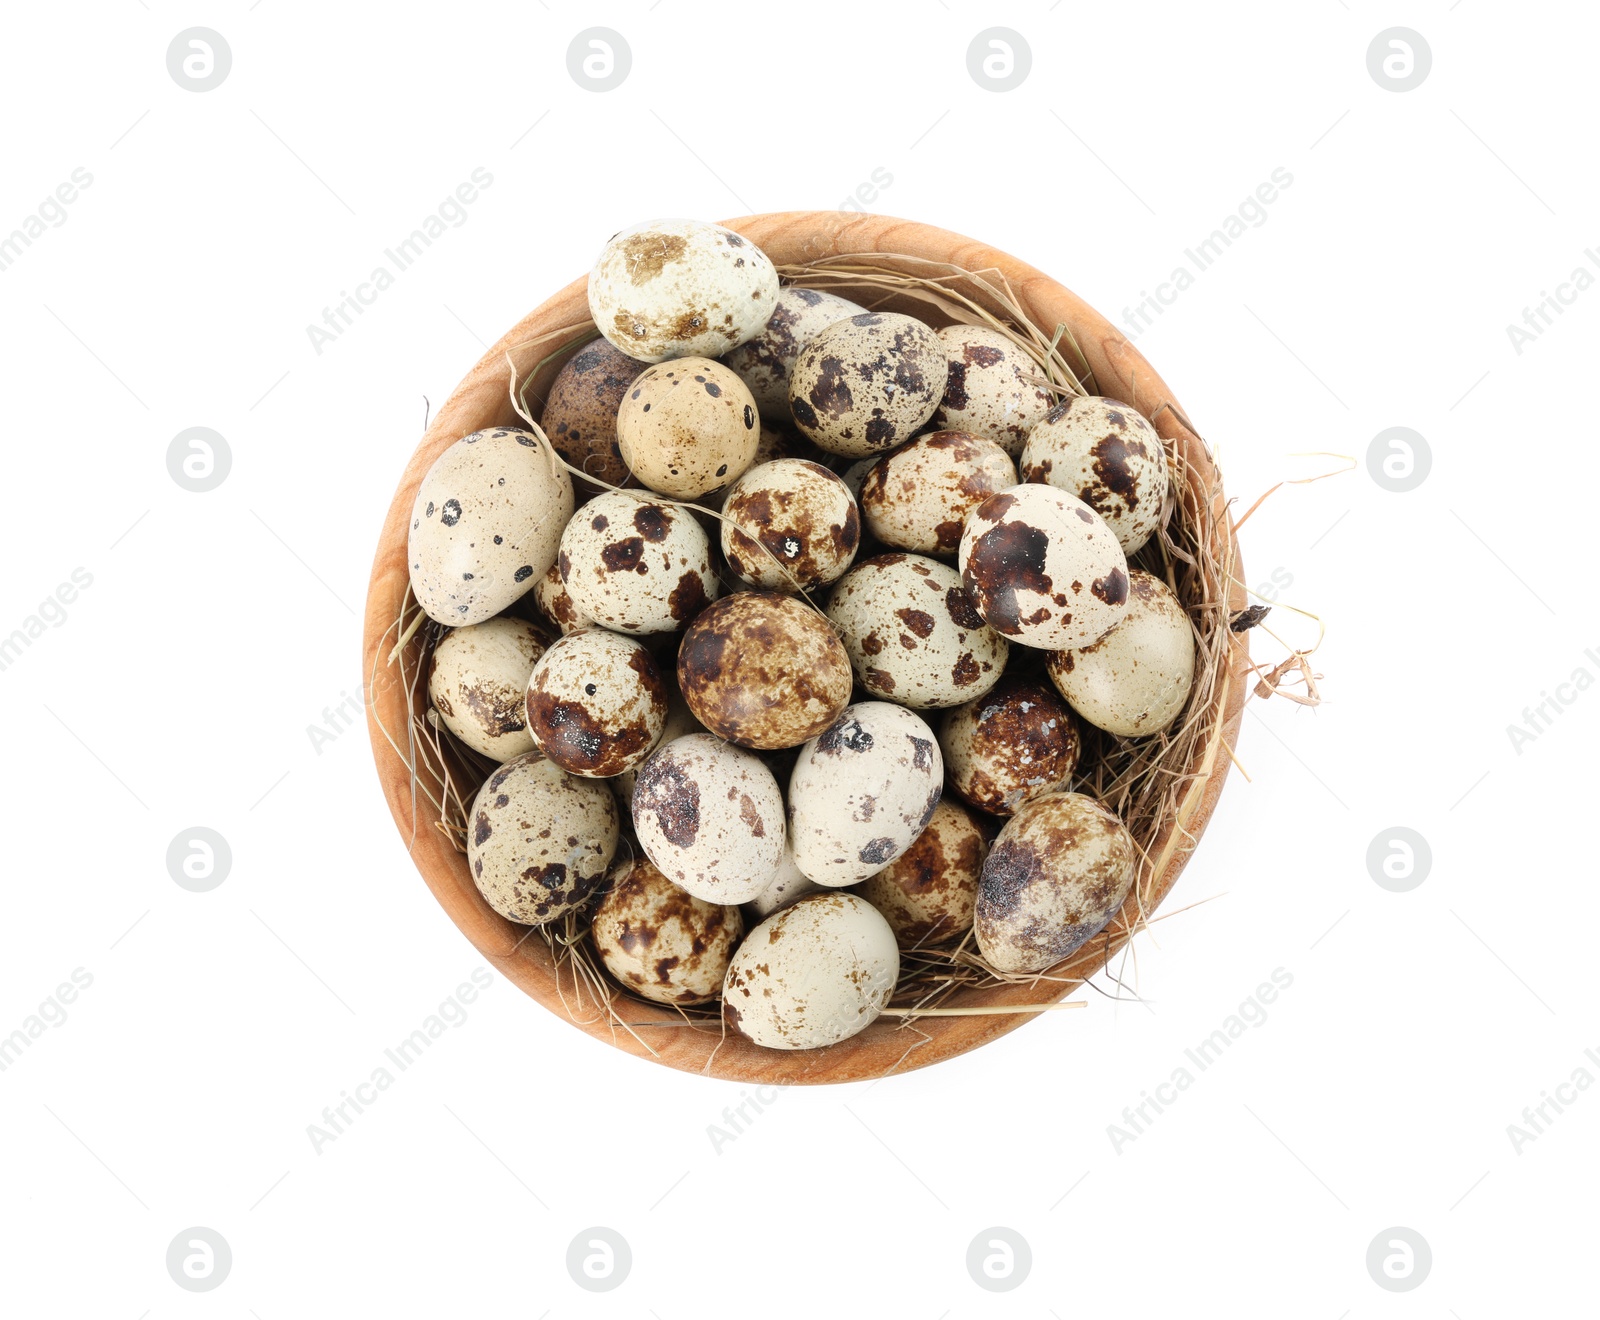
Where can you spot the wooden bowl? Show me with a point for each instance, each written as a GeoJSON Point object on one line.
{"type": "Point", "coordinates": [482, 400]}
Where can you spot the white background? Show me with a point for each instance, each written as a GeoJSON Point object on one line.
{"type": "Point", "coordinates": [179, 688]}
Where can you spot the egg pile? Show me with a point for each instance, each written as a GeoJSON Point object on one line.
{"type": "Point", "coordinates": [794, 675]}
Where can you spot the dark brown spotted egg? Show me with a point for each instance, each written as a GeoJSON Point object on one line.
{"type": "Point", "coordinates": [661, 943]}
{"type": "Point", "coordinates": [540, 840]}
{"type": "Point", "coordinates": [580, 412]}
{"type": "Point", "coordinates": [861, 792]}
{"type": "Point", "coordinates": [555, 602]}
{"type": "Point", "coordinates": [485, 525]}
{"type": "Point", "coordinates": [1057, 874]}
{"type": "Point", "coordinates": [687, 427]}
{"type": "Point", "coordinates": [992, 388]}
{"type": "Point", "coordinates": [912, 633]}
{"type": "Point", "coordinates": [764, 363]}
{"type": "Point", "coordinates": [710, 816]}
{"type": "Point", "coordinates": [1017, 742]}
{"type": "Point", "coordinates": [918, 497]}
{"type": "Point", "coordinates": [477, 678]}
{"type": "Point", "coordinates": [927, 894]}
{"type": "Point", "coordinates": [1136, 679]}
{"type": "Point", "coordinates": [789, 525]}
{"type": "Point", "coordinates": [1107, 455]}
{"type": "Point", "coordinates": [763, 670]}
{"type": "Point", "coordinates": [596, 703]}
{"type": "Point", "coordinates": [681, 288]}
{"type": "Point", "coordinates": [868, 383]}
{"type": "Point", "coordinates": [636, 566]}
{"type": "Point", "coordinates": [1043, 568]}
{"type": "Point", "coordinates": [815, 973]}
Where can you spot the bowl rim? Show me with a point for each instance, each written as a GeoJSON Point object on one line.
{"type": "Point", "coordinates": [482, 399]}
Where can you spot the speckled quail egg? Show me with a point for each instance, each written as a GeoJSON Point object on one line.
{"type": "Point", "coordinates": [680, 723]}
{"type": "Point", "coordinates": [764, 363]}
{"type": "Point", "coordinates": [687, 427]}
{"type": "Point", "coordinates": [861, 792]}
{"type": "Point", "coordinates": [1107, 455]}
{"type": "Point", "coordinates": [854, 475]}
{"type": "Point", "coordinates": [596, 703]}
{"type": "Point", "coordinates": [477, 677]}
{"type": "Point", "coordinates": [918, 497]}
{"type": "Point", "coordinates": [803, 516]}
{"type": "Point", "coordinates": [927, 894]}
{"type": "Point", "coordinates": [867, 383]}
{"type": "Point", "coordinates": [763, 670]}
{"type": "Point", "coordinates": [710, 816]}
{"type": "Point", "coordinates": [635, 565]}
{"type": "Point", "coordinates": [786, 885]}
{"type": "Point", "coordinates": [555, 602]}
{"type": "Point", "coordinates": [485, 524]}
{"type": "Point", "coordinates": [1136, 679]}
{"type": "Point", "coordinates": [912, 634]}
{"type": "Point", "coordinates": [990, 389]}
{"type": "Point", "coordinates": [1015, 743]}
{"type": "Point", "coordinates": [813, 974]}
{"type": "Point", "coordinates": [580, 411]}
{"type": "Point", "coordinates": [1042, 568]}
{"type": "Point", "coordinates": [660, 942]}
{"type": "Point", "coordinates": [1055, 877]}
{"type": "Point", "coordinates": [681, 288]}
{"type": "Point", "coordinates": [540, 840]}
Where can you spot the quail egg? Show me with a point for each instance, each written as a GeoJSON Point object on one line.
{"type": "Point", "coordinates": [550, 594]}
{"type": "Point", "coordinates": [992, 388]}
{"type": "Point", "coordinates": [580, 411]}
{"type": "Point", "coordinates": [803, 516]}
{"type": "Point", "coordinates": [596, 703]}
{"type": "Point", "coordinates": [710, 816]}
{"type": "Point", "coordinates": [1107, 455]}
{"type": "Point", "coordinates": [635, 565]}
{"type": "Point", "coordinates": [687, 427]}
{"type": "Point", "coordinates": [912, 633]}
{"type": "Point", "coordinates": [660, 942]}
{"type": "Point", "coordinates": [861, 792]}
{"type": "Point", "coordinates": [485, 525]}
{"type": "Point", "coordinates": [1017, 742]}
{"type": "Point", "coordinates": [867, 383]}
{"type": "Point", "coordinates": [917, 497]}
{"type": "Point", "coordinates": [927, 894]}
{"type": "Point", "coordinates": [764, 363]}
{"type": "Point", "coordinates": [813, 974]}
{"type": "Point", "coordinates": [1042, 568]}
{"type": "Point", "coordinates": [681, 288]}
{"type": "Point", "coordinates": [1136, 679]}
{"type": "Point", "coordinates": [540, 840]}
{"type": "Point", "coordinates": [680, 723]}
{"type": "Point", "coordinates": [1055, 877]}
{"type": "Point", "coordinates": [476, 680]}
{"type": "Point", "coordinates": [785, 886]}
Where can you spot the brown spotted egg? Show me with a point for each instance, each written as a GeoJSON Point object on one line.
{"type": "Point", "coordinates": [1136, 679]}
{"type": "Point", "coordinates": [679, 724]}
{"type": "Point", "coordinates": [681, 288]}
{"type": "Point", "coordinates": [801, 514]}
{"type": "Point", "coordinates": [764, 363]}
{"type": "Point", "coordinates": [687, 427]}
{"type": "Point", "coordinates": [1043, 568]}
{"type": "Point", "coordinates": [477, 677]}
{"type": "Point", "coordinates": [763, 670]}
{"type": "Point", "coordinates": [786, 885]}
{"type": "Point", "coordinates": [991, 388]}
{"type": "Point", "coordinates": [635, 565]}
{"type": "Point", "coordinates": [661, 943]}
{"type": "Point", "coordinates": [927, 894]}
{"type": "Point", "coordinates": [540, 839]}
{"type": "Point", "coordinates": [1015, 743]}
{"type": "Point", "coordinates": [485, 525]}
{"type": "Point", "coordinates": [580, 412]}
{"type": "Point", "coordinates": [596, 703]}
{"type": "Point", "coordinates": [815, 973]}
{"type": "Point", "coordinates": [710, 816]}
{"type": "Point", "coordinates": [918, 497]}
{"type": "Point", "coordinates": [868, 383]}
{"type": "Point", "coordinates": [861, 792]}
{"type": "Point", "coordinates": [912, 634]}
{"type": "Point", "coordinates": [555, 602]}
{"type": "Point", "coordinates": [1056, 875]}
{"type": "Point", "coordinates": [1107, 455]}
